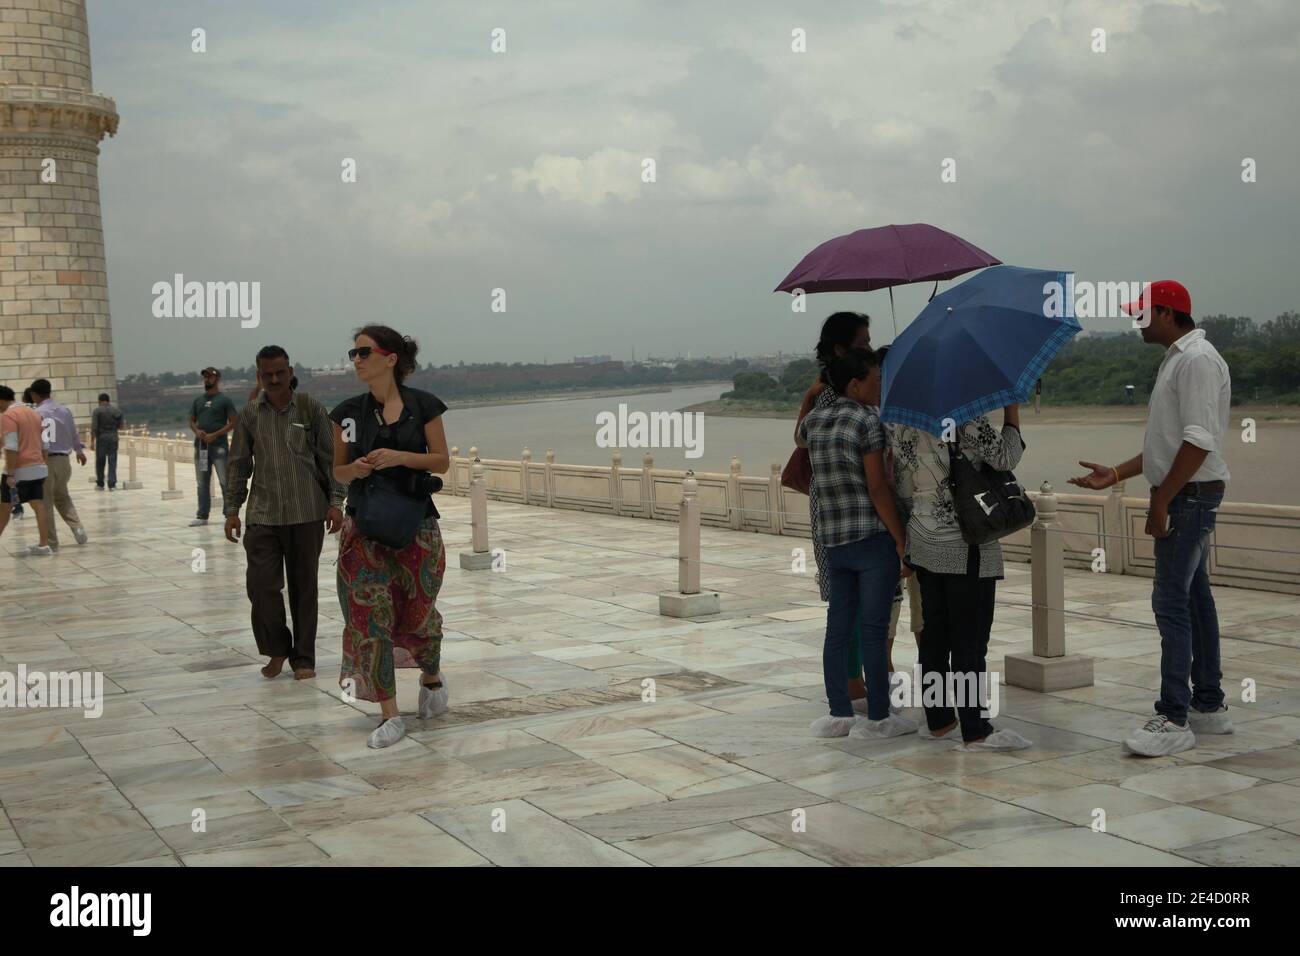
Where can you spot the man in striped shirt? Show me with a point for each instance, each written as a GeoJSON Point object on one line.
{"type": "Point", "coordinates": [285, 443]}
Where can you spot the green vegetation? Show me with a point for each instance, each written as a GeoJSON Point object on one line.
{"type": "Point", "coordinates": [1264, 361]}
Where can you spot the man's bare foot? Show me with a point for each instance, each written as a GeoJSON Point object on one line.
{"type": "Point", "coordinates": [303, 673]}
{"type": "Point", "coordinates": [272, 669]}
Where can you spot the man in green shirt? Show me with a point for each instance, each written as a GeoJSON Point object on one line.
{"type": "Point", "coordinates": [212, 416]}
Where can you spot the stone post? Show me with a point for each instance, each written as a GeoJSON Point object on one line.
{"type": "Point", "coordinates": [132, 482]}
{"type": "Point", "coordinates": [1115, 549]}
{"type": "Point", "coordinates": [615, 483]}
{"type": "Point", "coordinates": [647, 486]}
{"type": "Point", "coordinates": [688, 600]}
{"type": "Point", "coordinates": [525, 460]}
{"type": "Point", "coordinates": [451, 470]}
{"type": "Point", "coordinates": [550, 477]}
{"type": "Point", "coordinates": [734, 516]}
{"type": "Point", "coordinates": [1048, 668]}
{"type": "Point", "coordinates": [171, 450]}
{"type": "Point", "coordinates": [774, 497]}
{"type": "Point", "coordinates": [480, 558]}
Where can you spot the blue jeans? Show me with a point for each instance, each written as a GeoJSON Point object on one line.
{"type": "Point", "coordinates": [862, 576]}
{"type": "Point", "coordinates": [1185, 612]}
{"type": "Point", "coordinates": [106, 453]}
{"type": "Point", "coordinates": [216, 457]}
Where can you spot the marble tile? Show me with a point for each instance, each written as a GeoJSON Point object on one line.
{"type": "Point", "coordinates": [1188, 784]}
{"type": "Point", "coordinates": [680, 771]}
{"type": "Point", "coordinates": [403, 839]}
{"type": "Point", "coordinates": [1280, 764]}
{"type": "Point", "coordinates": [690, 812]}
{"type": "Point", "coordinates": [700, 845]}
{"type": "Point", "coordinates": [308, 790]}
{"type": "Point", "coordinates": [1077, 805]}
{"type": "Point", "coordinates": [1174, 827]}
{"type": "Point", "coordinates": [1257, 848]}
{"type": "Point", "coordinates": [1267, 804]}
{"type": "Point", "coordinates": [846, 836]}
{"type": "Point", "coordinates": [569, 804]}
{"type": "Point", "coordinates": [957, 815]}
{"type": "Point", "coordinates": [105, 851]}
{"type": "Point", "coordinates": [286, 850]}
{"type": "Point", "coordinates": [1072, 847]}
{"type": "Point", "coordinates": [221, 832]}
{"type": "Point", "coordinates": [515, 833]}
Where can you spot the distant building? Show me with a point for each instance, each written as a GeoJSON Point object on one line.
{"type": "Point", "coordinates": [592, 359]}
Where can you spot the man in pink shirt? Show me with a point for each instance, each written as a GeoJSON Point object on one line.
{"type": "Point", "coordinates": [25, 468]}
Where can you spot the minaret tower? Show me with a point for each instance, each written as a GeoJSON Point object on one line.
{"type": "Point", "coordinates": [54, 320]}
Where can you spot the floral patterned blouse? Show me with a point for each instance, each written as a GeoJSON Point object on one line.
{"type": "Point", "coordinates": [934, 540]}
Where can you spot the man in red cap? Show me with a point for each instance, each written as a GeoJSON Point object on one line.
{"type": "Point", "coordinates": [1182, 460]}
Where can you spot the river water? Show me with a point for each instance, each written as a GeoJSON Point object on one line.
{"type": "Point", "coordinates": [1263, 471]}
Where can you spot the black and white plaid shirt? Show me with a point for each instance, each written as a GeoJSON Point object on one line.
{"type": "Point", "coordinates": [838, 436]}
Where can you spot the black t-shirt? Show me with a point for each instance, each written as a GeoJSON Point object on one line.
{"type": "Point", "coordinates": [406, 434]}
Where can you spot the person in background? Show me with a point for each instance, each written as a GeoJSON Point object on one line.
{"type": "Point", "coordinates": [27, 400]}
{"type": "Point", "coordinates": [958, 580]}
{"type": "Point", "coordinates": [105, 423]}
{"type": "Point", "coordinates": [283, 443]}
{"type": "Point", "coordinates": [1182, 462]}
{"type": "Point", "coordinates": [212, 417]}
{"type": "Point", "coordinates": [64, 443]}
{"type": "Point", "coordinates": [25, 466]}
{"type": "Point", "coordinates": [388, 595]}
{"type": "Point", "coordinates": [840, 332]}
{"type": "Point", "coordinates": [863, 537]}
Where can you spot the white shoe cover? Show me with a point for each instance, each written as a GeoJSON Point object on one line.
{"type": "Point", "coordinates": [895, 725]}
{"type": "Point", "coordinates": [998, 740]}
{"type": "Point", "coordinates": [830, 726]}
{"type": "Point", "coordinates": [434, 702]}
{"type": "Point", "coordinates": [388, 733]}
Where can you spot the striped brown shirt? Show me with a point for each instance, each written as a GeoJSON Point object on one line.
{"type": "Point", "coordinates": [287, 458]}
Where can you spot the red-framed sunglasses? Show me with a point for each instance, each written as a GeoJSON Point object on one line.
{"type": "Point", "coordinates": [365, 350]}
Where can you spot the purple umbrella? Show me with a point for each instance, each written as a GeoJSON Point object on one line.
{"type": "Point", "coordinates": [885, 257]}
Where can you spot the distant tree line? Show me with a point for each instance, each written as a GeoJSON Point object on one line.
{"type": "Point", "coordinates": [1264, 361]}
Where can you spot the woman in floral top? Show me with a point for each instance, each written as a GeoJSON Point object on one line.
{"type": "Point", "coordinates": [958, 580]}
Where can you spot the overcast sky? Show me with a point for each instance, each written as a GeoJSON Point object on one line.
{"type": "Point", "coordinates": [522, 170]}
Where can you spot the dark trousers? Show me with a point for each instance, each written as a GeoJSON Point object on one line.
{"type": "Point", "coordinates": [274, 551]}
{"type": "Point", "coordinates": [106, 454]}
{"type": "Point", "coordinates": [958, 610]}
{"type": "Point", "coordinates": [1185, 610]}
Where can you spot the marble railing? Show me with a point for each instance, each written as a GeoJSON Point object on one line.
{"type": "Point", "coordinates": [1255, 546]}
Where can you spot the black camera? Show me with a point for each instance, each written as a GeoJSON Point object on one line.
{"type": "Point", "coordinates": [421, 484]}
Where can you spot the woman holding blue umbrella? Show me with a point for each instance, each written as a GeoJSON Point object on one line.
{"type": "Point", "coordinates": [980, 346]}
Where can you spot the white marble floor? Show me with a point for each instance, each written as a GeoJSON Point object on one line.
{"type": "Point", "coordinates": [550, 754]}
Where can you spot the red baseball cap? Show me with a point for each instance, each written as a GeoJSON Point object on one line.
{"type": "Point", "coordinates": [1166, 292]}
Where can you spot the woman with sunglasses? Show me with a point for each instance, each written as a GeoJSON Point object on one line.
{"type": "Point", "coordinates": [387, 594]}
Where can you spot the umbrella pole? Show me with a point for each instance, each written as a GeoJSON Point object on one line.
{"type": "Point", "coordinates": [892, 318]}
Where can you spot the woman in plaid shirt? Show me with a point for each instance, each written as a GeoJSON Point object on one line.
{"type": "Point", "coordinates": [863, 538]}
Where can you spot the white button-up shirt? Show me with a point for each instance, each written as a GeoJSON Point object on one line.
{"type": "Point", "coordinates": [1189, 403]}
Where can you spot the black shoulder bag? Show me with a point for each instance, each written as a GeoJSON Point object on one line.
{"type": "Point", "coordinates": [382, 508]}
{"type": "Point", "coordinates": [990, 504]}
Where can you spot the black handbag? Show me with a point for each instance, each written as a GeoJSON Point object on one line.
{"type": "Point", "coordinates": [382, 509]}
{"type": "Point", "coordinates": [990, 504]}
{"type": "Point", "coordinates": [384, 512]}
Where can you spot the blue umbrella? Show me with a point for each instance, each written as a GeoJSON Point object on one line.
{"type": "Point", "coordinates": [976, 347]}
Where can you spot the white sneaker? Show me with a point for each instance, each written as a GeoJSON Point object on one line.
{"type": "Point", "coordinates": [99, 487]}
{"type": "Point", "coordinates": [1160, 737]}
{"type": "Point", "coordinates": [40, 549]}
{"type": "Point", "coordinates": [1211, 722]}
{"type": "Point", "coordinates": [198, 522]}
{"type": "Point", "coordinates": [998, 740]}
{"type": "Point", "coordinates": [433, 702]}
{"type": "Point", "coordinates": [80, 535]}
{"type": "Point", "coordinates": [831, 726]}
{"type": "Point", "coordinates": [388, 733]}
{"type": "Point", "coordinates": [895, 725]}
